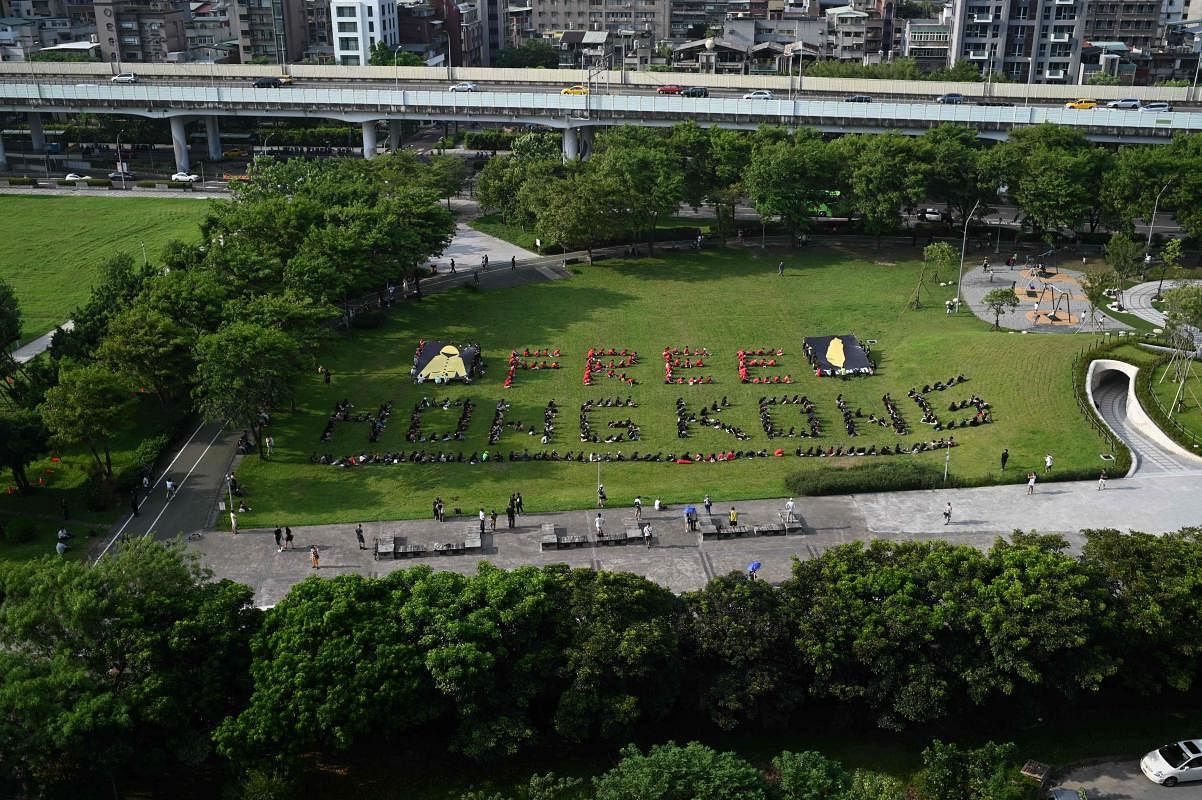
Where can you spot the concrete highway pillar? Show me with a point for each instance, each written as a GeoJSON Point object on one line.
{"type": "Point", "coordinates": [36, 133]}
{"type": "Point", "coordinates": [213, 137]}
{"type": "Point", "coordinates": [394, 135]}
{"type": "Point", "coordinates": [585, 141]}
{"type": "Point", "coordinates": [369, 139]}
{"type": "Point", "coordinates": [179, 143]}
{"type": "Point", "coordinates": [3, 157]}
{"type": "Point", "coordinates": [569, 144]}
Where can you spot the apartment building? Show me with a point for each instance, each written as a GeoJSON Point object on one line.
{"type": "Point", "coordinates": [148, 31]}
{"type": "Point", "coordinates": [646, 19]}
{"type": "Point", "coordinates": [1136, 23]}
{"type": "Point", "coordinates": [928, 42]}
{"type": "Point", "coordinates": [1026, 40]}
{"type": "Point", "coordinates": [269, 30]}
{"type": "Point", "coordinates": [319, 42]}
{"type": "Point", "coordinates": [465, 32]}
{"type": "Point", "coordinates": [358, 24]}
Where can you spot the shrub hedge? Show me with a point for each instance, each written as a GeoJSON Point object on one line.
{"type": "Point", "coordinates": [20, 180]}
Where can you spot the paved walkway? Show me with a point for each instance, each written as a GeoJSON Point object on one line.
{"type": "Point", "coordinates": [1074, 314]}
{"type": "Point", "coordinates": [27, 352]}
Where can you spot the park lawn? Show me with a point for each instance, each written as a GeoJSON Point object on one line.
{"type": "Point", "coordinates": [51, 248]}
{"type": "Point", "coordinates": [1166, 387]}
{"type": "Point", "coordinates": [494, 225]}
{"type": "Point", "coordinates": [722, 300]}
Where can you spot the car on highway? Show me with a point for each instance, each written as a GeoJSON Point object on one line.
{"type": "Point", "coordinates": [758, 94]}
{"type": "Point", "coordinates": [121, 176]}
{"type": "Point", "coordinates": [1126, 102]}
{"type": "Point", "coordinates": [234, 152]}
{"type": "Point", "coordinates": [464, 86]}
{"type": "Point", "coordinates": [1158, 105]}
{"type": "Point", "coordinates": [578, 88]}
{"type": "Point", "coordinates": [125, 77]}
{"type": "Point", "coordinates": [268, 83]}
{"type": "Point", "coordinates": [931, 215]}
{"type": "Point", "coordinates": [75, 176]}
{"type": "Point", "coordinates": [951, 99]}
{"type": "Point", "coordinates": [1083, 103]}
{"type": "Point", "coordinates": [1174, 763]}
{"type": "Point", "coordinates": [670, 88]}
{"type": "Point", "coordinates": [695, 91]}
{"type": "Point", "coordinates": [858, 98]}
{"type": "Point", "coordinates": [185, 177]}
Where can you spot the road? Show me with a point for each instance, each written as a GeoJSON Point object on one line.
{"type": "Point", "coordinates": [1122, 780]}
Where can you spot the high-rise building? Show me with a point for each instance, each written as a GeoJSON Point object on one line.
{"type": "Point", "coordinates": [320, 44]}
{"type": "Point", "coordinates": [358, 25]}
{"type": "Point", "coordinates": [465, 32]}
{"type": "Point", "coordinates": [1135, 23]}
{"type": "Point", "coordinates": [132, 31]}
{"type": "Point", "coordinates": [270, 30]}
{"type": "Point", "coordinates": [647, 19]}
{"type": "Point", "coordinates": [1037, 41]}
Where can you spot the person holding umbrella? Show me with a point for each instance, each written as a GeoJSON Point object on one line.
{"type": "Point", "coordinates": [752, 569]}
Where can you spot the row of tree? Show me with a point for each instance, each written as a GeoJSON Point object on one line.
{"type": "Point", "coordinates": [1059, 180]}
{"type": "Point", "coordinates": [228, 324]}
{"type": "Point", "coordinates": [141, 662]}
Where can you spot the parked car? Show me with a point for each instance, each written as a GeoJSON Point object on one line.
{"type": "Point", "coordinates": [931, 215]}
{"type": "Point", "coordinates": [758, 94]}
{"type": "Point", "coordinates": [234, 152]}
{"type": "Point", "coordinates": [1060, 793]}
{"type": "Point", "coordinates": [695, 91]}
{"type": "Point", "coordinates": [951, 99]}
{"type": "Point", "coordinates": [1126, 102]}
{"type": "Point", "coordinates": [1156, 106]}
{"type": "Point", "coordinates": [185, 177]}
{"type": "Point", "coordinates": [1084, 103]}
{"type": "Point", "coordinates": [578, 88]}
{"type": "Point", "coordinates": [121, 176]}
{"type": "Point", "coordinates": [858, 98]}
{"type": "Point", "coordinates": [125, 77]}
{"type": "Point", "coordinates": [670, 88]}
{"type": "Point", "coordinates": [464, 86]}
{"type": "Point", "coordinates": [1174, 763]}
{"type": "Point", "coordinates": [75, 176]}
{"type": "Point", "coordinates": [268, 83]}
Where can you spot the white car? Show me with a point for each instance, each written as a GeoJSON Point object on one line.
{"type": "Point", "coordinates": [125, 77]}
{"type": "Point", "coordinates": [1174, 763]}
{"type": "Point", "coordinates": [758, 94]}
{"type": "Point", "coordinates": [465, 86]}
{"type": "Point", "coordinates": [185, 177]}
{"type": "Point", "coordinates": [1126, 102]}
{"type": "Point", "coordinates": [74, 176]}
{"type": "Point", "coordinates": [930, 215]}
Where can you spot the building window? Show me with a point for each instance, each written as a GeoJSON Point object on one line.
{"type": "Point", "coordinates": [369, 11]}
{"type": "Point", "coordinates": [346, 11]}
{"type": "Point", "coordinates": [348, 43]}
{"type": "Point", "coordinates": [348, 27]}
{"type": "Point", "coordinates": [371, 27]}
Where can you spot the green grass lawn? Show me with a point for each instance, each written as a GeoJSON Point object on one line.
{"type": "Point", "coordinates": [51, 248]}
{"type": "Point", "coordinates": [1165, 386]}
{"type": "Point", "coordinates": [722, 300]}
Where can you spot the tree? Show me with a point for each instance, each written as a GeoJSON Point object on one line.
{"type": "Point", "coordinates": [1184, 306]}
{"type": "Point", "coordinates": [885, 176]}
{"type": "Point", "coordinates": [949, 155]}
{"type": "Point", "coordinates": [118, 671]}
{"type": "Point", "coordinates": [383, 55]}
{"type": "Point", "coordinates": [90, 405]}
{"type": "Point", "coordinates": [809, 775]}
{"type": "Point", "coordinates": [952, 773]}
{"type": "Point", "coordinates": [942, 258]}
{"type": "Point", "coordinates": [652, 186]}
{"type": "Point", "coordinates": [23, 437]}
{"type": "Point", "coordinates": [538, 146]}
{"type": "Point", "coordinates": [244, 370]}
{"type": "Point", "coordinates": [1171, 264]}
{"type": "Point", "coordinates": [999, 301]}
{"type": "Point", "coordinates": [790, 179]}
{"type": "Point", "coordinates": [576, 211]}
{"type": "Point", "coordinates": [535, 53]}
{"type": "Point", "coordinates": [1125, 257]}
{"type": "Point", "coordinates": [446, 176]}
{"type": "Point", "coordinates": [669, 771]}
{"type": "Point", "coordinates": [1096, 286]}
{"type": "Point", "coordinates": [146, 346]}
{"type": "Point", "coordinates": [10, 337]}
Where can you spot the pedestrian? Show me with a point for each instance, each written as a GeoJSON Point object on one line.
{"type": "Point", "coordinates": [270, 443]}
{"type": "Point", "coordinates": [359, 536]}
{"type": "Point", "coordinates": [492, 521]}
{"type": "Point", "coordinates": [638, 508]}
{"type": "Point", "coordinates": [326, 376]}
{"type": "Point", "coordinates": [287, 538]}
{"type": "Point", "coordinates": [133, 502]}
{"type": "Point", "coordinates": [947, 514]}
{"type": "Point", "coordinates": [600, 523]}
{"type": "Point", "coordinates": [1030, 483]}
{"type": "Point", "coordinates": [734, 517]}
{"type": "Point", "coordinates": [442, 510]}
{"type": "Point", "coordinates": [146, 483]}
{"type": "Point", "coordinates": [1005, 458]}
{"type": "Point", "coordinates": [510, 513]}
{"type": "Point", "coordinates": [647, 535]}
{"type": "Point", "coordinates": [780, 269]}
{"type": "Point", "coordinates": [170, 484]}
{"type": "Point", "coordinates": [513, 262]}
{"type": "Point", "coordinates": [1047, 463]}
{"type": "Point", "coordinates": [314, 557]}
{"type": "Point", "coordinates": [62, 503]}
{"type": "Point", "coordinates": [601, 495]}
{"type": "Point", "coordinates": [434, 508]}
{"type": "Point", "coordinates": [1102, 481]}
{"type": "Point", "coordinates": [452, 265]}
{"type": "Point", "coordinates": [279, 539]}
{"type": "Point", "coordinates": [709, 505]}
{"type": "Point", "coordinates": [481, 520]}
{"type": "Point", "coordinates": [789, 506]}
{"type": "Point", "coordinates": [521, 508]}
{"type": "Point", "coordinates": [234, 523]}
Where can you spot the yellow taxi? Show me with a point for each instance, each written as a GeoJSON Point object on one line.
{"type": "Point", "coordinates": [577, 89]}
{"type": "Point", "coordinates": [1083, 103]}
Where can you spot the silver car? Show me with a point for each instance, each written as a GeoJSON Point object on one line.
{"type": "Point", "coordinates": [465, 86]}
{"type": "Point", "coordinates": [125, 77]}
{"type": "Point", "coordinates": [758, 94]}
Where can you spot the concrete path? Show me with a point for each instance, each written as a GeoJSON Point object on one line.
{"type": "Point", "coordinates": [27, 352]}
{"type": "Point", "coordinates": [470, 245]}
{"type": "Point", "coordinates": [1138, 300]}
{"type": "Point", "coordinates": [1073, 316]}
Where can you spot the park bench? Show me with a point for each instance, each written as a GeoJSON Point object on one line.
{"type": "Point", "coordinates": [410, 550]}
{"type": "Point", "coordinates": [384, 547]}
{"type": "Point", "coordinates": [775, 529]}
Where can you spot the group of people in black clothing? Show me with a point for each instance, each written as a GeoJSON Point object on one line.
{"type": "Point", "coordinates": [415, 433]}
{"type": "Point", "coordinates": [897, 450]}
{"type": "Point", "coordinates": [632, 431]}
{"type": "Point", "coordinates": [807, 408]}
{"type": "Point", "coordinates": [685, 418]}
{"type": "Point", "coordinates": [983, 415]}
{"type": "Point", "coordinates": [849, 419]}
{"type": "Point", "coordinates": [342, 413]}
{"type": "Point", "coordinates": [895, 417]}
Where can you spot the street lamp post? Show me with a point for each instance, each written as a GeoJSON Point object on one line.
{"type": "Point", "coordinates": [963, 250]}
{"type": "Point", "coordinates": [120, 163]}
{"type": "Point", "coordinates": [1151, 226]}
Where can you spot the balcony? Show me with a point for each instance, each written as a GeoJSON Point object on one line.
{"type": "Point", "coordinates": [1054, 74]}
{"type": "Point", "coordinates": [982, 19]}
{"type": "Point", "coordinates": [978, 55]}
{"type": "Point", "coordinates": [1065, 2]}
{"type": "Point", "coordinates": [1061, 37]}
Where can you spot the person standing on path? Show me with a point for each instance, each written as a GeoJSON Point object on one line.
{"type": "Point", "coordinates": [947, 514]}
{"type": "Point", "coordinates": [780, 269]}
{"type": "Point", "coordinates": [287, 538]}
{"type": "Point", "coordinates": [601, 495]}
{"type": "Point", "coordinates": [513, 262]}
{"type": "Point", "coordinates": [510, 513]}
{"type": "Point", "coordinates": [647, 535]}
{"type": "Point", "coordinates": [734, 517]}
{"type": "Point", "coordinates": [1030, 483]}
{"type": "Point", "coordinates": [638, 508]}
{"type": "Point", "coordinates": [481, 520]}
{"type": "Point", "coordinates": [359, 536]}
{"type": "Point", "coordinates": [709, 505]}
{"type": "Point", "coordinates": [452, 265]}
{"type": "Point", "coordinates": [234, 523]}
{"type": "Point", "coordinates": [789, 506]}
{"type": "Point", "coordinates": [492, 521]}
{"type": "Point", "coordinates": [600, 524]}
{"type": "Point", "coordinates": [170, 485]}
{"type": "Point", "coordinates": [1005, 458]}
{"type": "Point", "coordinates": [1102, 481]}
{"type": "Point", "coordinates": [269, 443]}
{"type": "Point", "coordinates": [1047, 463]}
{"type": "Point", "coordinates": [314, 557]}
{"type": "Point", "coordinates": [520, 506]}
{"type": "Point", "coordinates": [279, 538]}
